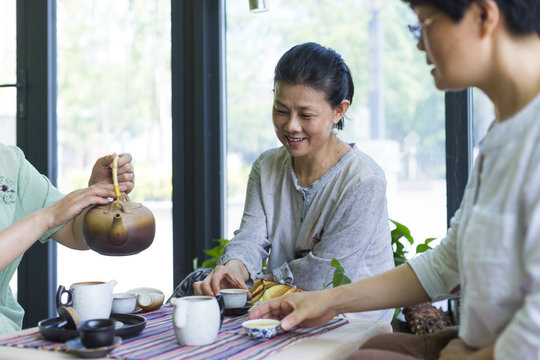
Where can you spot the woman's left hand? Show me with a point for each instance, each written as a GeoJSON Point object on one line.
{"type": "Point", "coordinates": [102, 172]}
{"type": "Point", "coordinates": [75, 202]}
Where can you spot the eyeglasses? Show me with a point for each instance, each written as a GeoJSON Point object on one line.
{"type": "Point", "coordinates": [416, 30]}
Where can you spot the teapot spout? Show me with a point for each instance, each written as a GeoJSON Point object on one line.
{"type": "Point", "coordinates": [117, 233]}
{"type": "Point", "coordinates": [112, 284]}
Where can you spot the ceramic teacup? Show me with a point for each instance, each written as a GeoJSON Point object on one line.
{"type": "Point", "coordinates": [261, 329]}
{"type": "Point", "coordinates": [124, 303]}
{"type": "Point", "coordinates": [97, 332]}
{"type": "Point", "coordinates": [196, 319]}
{"type": "Point", "coordinates": [91, 300]}
{"type": "Point", "coordinates": [234, 298]}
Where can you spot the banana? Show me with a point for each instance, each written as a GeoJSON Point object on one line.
{"type": "Point", "coordinates": [264, 290]}
{"type": "Point", "coordinates": [257, 290]}
{"type": "Point", "coordinates": [257, 287]}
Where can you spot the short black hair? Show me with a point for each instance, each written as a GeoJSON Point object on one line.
{"type": "Point", "coordinates": [522, 16]}
{"type": "Point", "coordinates": [320, 68]}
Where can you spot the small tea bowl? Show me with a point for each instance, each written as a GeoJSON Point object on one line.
{"type": "Point", "coordinates": [97, 332]}
{"type": "Point", "coordinates": [234, 298]}
{"type": "Point", "coordinates": [124, 303]}
{"type": "Point", "coordinates": [261, 329]}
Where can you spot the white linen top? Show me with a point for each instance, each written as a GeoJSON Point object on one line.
{"type": "Point", "coordinates": [23, 190]}
{"type": "Point", "coordinates": [300, 229]}
{"type": "Point", "coordinates": [492, 249]}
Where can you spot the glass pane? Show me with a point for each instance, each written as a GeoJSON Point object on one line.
{"type": "Point", "coordinates": [8, 72]}
{"type": "Point", "coordinates": [483, 116]}
{"type": "Point", "coordinates": [407, 138]}
{"type": "Point", "coordinates": [114, 96]}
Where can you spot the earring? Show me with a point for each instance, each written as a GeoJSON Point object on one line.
{"type": "Point", "coordinates": [335, 130]}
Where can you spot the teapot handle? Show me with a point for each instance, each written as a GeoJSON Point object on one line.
{"type": "Point", "coordinates": [119, 196]}
{"type": "Point", "coordinates": [59, 293]}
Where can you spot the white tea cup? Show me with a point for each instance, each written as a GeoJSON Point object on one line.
{"type": "Point", "coordinates": [124, 303]}
{"type": "Point", "coordinates": [196, 319]}
{"type": "Point", "coordinates": [234, 298]}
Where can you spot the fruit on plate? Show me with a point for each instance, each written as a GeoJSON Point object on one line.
{"type": "Point", "coordinates": [263, 290]}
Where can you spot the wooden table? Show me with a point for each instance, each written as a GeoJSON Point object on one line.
{"type": "Point", "coordinates": [333, 344]}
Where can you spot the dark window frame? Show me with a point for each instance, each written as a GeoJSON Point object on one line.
{"type": "Point", "coordinates": [198, 128]}
{"type": "Point", "coordinates": [36, 117]}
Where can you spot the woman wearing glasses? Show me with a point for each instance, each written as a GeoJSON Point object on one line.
{"type": "Point", "coordinates": [313, 199]}
{"type": "Point", "coordinates": [492, 250]}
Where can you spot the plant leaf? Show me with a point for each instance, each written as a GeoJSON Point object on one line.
{"type": "Point", "coordinates": [424, 247]}
{"type": "Point", "coordinates": [396, 313]}
{"type": "Point", "coordinates": [340, 278]}
{"type": "Point", "coordinates": [335, 263]}
{"type": "Point", "coordinates": [399, 259]}
{"type": "Point", "coordinates": [401, 231]}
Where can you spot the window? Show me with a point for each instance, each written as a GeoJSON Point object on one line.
{"type": "Point", "coordinates": [483, 116]}
{"type": "Point", "coordinates": [407, 137]}
{"type": "Point", "coordinates": [8, 95]}
{"type": "Point", "coordinates": [114, 96]}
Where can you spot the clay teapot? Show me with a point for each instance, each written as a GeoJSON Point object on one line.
{"type": "Point", "coordinates": [121, 227]}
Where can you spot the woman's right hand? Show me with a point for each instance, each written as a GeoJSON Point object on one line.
{"type": "Point", "coordinates": [230, 276]}
{"type": "Point", "coordinates": [304, 309]}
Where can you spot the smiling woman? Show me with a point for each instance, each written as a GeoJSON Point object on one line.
{"type": "Point", "coordinates": [314, 199]}
{"type": "Point", "coordinates": [397, 116]}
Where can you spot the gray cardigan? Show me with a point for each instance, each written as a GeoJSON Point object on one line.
{"type": "Point", "coordinates": [300, 230]}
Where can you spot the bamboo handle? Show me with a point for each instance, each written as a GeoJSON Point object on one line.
{"type": "Point", "coordinates": [115, 177]}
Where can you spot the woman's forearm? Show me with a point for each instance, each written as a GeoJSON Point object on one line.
{"type": "Point", "coordinates": [18, 237]}
{"type": "Point", "coordinates": [395, 288]}
{"type": "Point", "coordinates": [71, 235]}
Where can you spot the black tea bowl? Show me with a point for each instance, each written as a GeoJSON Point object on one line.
{"type": "Point", "coordinates": [97, 332]}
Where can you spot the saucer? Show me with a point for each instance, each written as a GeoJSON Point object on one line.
{"type": "Point", "coordinates": [128, 325]}
{"type": "Point", "coordinates": [135, 311]}
{"type": "Point", "coordinates": [76, 347]}
{"type": "Point", "coordinates": [238, 311]}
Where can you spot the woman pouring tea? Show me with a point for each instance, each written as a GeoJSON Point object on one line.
{"type": "Point", "coordinates": [31, 209]}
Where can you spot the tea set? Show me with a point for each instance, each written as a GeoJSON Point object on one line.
{"type": "Point", "coordinates": [93, 319]}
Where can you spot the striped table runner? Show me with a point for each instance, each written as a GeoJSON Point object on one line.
{"type": "Point", "coordinates": [157, 341]}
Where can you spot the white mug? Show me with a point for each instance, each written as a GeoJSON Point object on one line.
{"type": "Point", "coordinates": [91, 300]}
{"type": "Point", "coordinates": [197, 319]}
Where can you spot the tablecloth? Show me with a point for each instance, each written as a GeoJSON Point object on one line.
{"type": "Point", "coordinates": [157, 341]}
